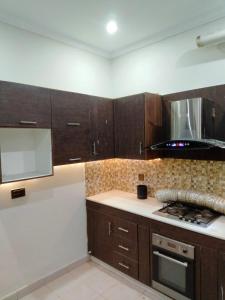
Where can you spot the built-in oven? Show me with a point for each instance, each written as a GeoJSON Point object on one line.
{"type": "Point", "coordinates": [173, 271]}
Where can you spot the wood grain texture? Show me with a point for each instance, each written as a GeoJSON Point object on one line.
{"type": "Point", "coordinates": [125, 265]}
{"type": "Point", "coordinates": [70, 142]}
{"type": "Point", "coordinates": [20, 102]}
{"type": "Point", "coordinates": [128, 248]}
{"type": "Point", "coordinates": [144, 241]}
{"type": "Point", "coordinates": [130, 127]}
{"type": "Point", "coordinates": [209, 273]}
{"type": "Point", "coordinates": [138, 124]}
{"type": "Point", "coordinates": [153, 123]}
{"type": "Point", "coordinates": [221, 281]}
{"type": "Point", "coordinates": [102, 128]}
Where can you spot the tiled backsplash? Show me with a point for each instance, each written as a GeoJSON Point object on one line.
{"type": "Point", "coordinates": [122, 174]}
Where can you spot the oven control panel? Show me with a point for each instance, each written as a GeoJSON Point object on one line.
{"type": "Point", "coordinates": [173, 246]}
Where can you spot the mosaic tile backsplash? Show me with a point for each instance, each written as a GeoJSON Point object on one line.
{"type": "Point", "coordinates": [122, 174]}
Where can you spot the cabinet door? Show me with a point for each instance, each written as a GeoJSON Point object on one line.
{"type": "Point", "coordinates": [102, 129]}
{"type": "Point", "coordinates": [144, 254]}
{"type": "Point", "coordinates": [130, 127]}
{"type": "Point", "coordinates": [24, 106]}
{"type": "Point", "coordinates": [103, 238]}
{"type": "Point", "coordinates": [209, 278]}
{"type": "Point", "coordinates": [221, 273]}
{"type": "Point", "coordinates": [71, 127]}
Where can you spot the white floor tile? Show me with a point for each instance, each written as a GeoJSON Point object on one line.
{"type": "Point", "coordinates": [121, 291]}
{"type": "Point", "coordinates": [80, 292]}
{"type": "Point", "coordinates": [100, 281]}
{"type": "Point", "coordinates": [90, 282]}
{"type": "Point", "coordinates": [42, 294]}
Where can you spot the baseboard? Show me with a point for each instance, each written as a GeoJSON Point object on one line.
{"type": "Point", "coordinates": [142, 288]}
{"type": "Point", "coordinates": [29, 288]}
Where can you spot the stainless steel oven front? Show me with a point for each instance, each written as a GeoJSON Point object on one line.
{"type": "Point", "coordinates": [173, 268]}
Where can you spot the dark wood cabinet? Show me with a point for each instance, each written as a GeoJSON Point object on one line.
{"type": "Point", "coordinates": [209, 273]}
{"type": "Point", "coordinates": [103, 238]}
{"type": "Point", "coordinates": [138, 123]}
{"type": "Point", "coordinates": [102, 128]}
{"type": "Point", "coordinates": [71, 127]}
{"type": "Point", "coordinates": [24, 106]}
{"type": "Point", "coordinates": [113, 238]}
{"type": "Point", "coordinates": [123, 240]}
{"type": "Point", "coordinates": [221, 273]}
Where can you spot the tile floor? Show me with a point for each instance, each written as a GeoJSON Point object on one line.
{"type": "Point", "coordinates": [90, 282]}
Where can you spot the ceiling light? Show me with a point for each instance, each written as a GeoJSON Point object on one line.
{"type": "Point", "coordinates": [112, 27]}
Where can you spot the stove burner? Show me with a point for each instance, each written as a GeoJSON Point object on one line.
{"type": "Point", "coordinates": [189, 213]}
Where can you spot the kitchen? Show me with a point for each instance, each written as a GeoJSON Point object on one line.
{"type": "Point", "coordinates": [91, 108]}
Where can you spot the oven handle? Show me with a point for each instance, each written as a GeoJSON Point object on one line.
{"type": "Point", "coordinates": [184, 264]}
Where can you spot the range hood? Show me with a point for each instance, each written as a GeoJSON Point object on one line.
{"type": "Point", "coordinates": [191, 125]}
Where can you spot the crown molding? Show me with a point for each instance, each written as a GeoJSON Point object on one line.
{"type": "Point", "coordinates": [44, 32]}
{"type": "Point", "coordinates": [203, 19]}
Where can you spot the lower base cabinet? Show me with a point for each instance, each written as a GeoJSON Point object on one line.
{"type": "Point", "coordinates": [113, 237]}
{"type": "Point", "coordinates": [209, 273]}
{"type": "Point", "coordinates": [123, 240]}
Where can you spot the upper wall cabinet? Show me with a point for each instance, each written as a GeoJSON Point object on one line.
{"type": "Point", "coordinates": [102, 129]}
{"type": "Point", "coordinates": [138, 124]}
{"type": "Point", "coordinates": [24, 106]}
{"type": "Point", "coordinates": [71, 127]}
{"type": "Point", "coordinates": [25, 132]}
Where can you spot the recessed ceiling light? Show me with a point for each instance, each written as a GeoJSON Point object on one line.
{"type": "Point", "coordinates": [112, 27]}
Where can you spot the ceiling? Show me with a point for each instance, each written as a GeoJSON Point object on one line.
{"type": "Point", "coordinates": [81, 23]}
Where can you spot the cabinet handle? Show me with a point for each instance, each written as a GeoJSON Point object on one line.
{"type": "Point", "coordinates": [123, 229]}
{"type": "Point", "coordinates": [73, 124]}
{"type": "Point", "coordinates": [140, 148]}
{"type": "Point", "coordinates": [123, 248]}
{"type": "Point", "coordinates": [95, 153]}
{"type": "Point", "coordinates": [28, 123]}
{"type": "Point", "coordinates": [124, 266]}
{"type": "Point", "coordinates": [94, 148]}
{"type": "Point", "coordinates": [222, 292]}
{"type": "Point", "coordinates": [75, 159]}
{"type": "Point", "coordinates": [109, 228]}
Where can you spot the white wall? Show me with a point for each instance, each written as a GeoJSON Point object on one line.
{"type": "Point", "coordinates": [172, 65]}
{"type": "Point", "coordinates": [44, 231]}
{"type": "Point", "coordinates": [47, 230]}
{"type": "Point", "coordinates": [31, 59]}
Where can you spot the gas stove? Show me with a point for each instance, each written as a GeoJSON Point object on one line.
{"type": "Point", "coordinates": [197, 215]}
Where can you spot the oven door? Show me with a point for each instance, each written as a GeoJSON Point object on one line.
{"type": "Point", "coordinates": [172, 274]}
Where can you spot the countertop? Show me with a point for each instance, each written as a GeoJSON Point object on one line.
{"type": "Point", "coordinates": [129, 202]}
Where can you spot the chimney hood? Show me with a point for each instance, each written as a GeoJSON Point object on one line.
{"type": "Point", "coordinates": [191, 126]}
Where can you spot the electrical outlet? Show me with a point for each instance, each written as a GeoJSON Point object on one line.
{"type": "Point", "coordinates": [18, 193]}
{"type": "Point", "coordinates": [141, 177]}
